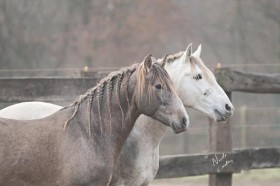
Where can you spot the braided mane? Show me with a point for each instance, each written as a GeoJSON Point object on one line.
{"type": "Point", "coordinates": [98, 92]}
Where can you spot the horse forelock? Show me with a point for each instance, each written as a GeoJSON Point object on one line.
{"type": "Point", "coordinates": [157, 72]}
{"type": "Point", "coordinates": [208, 74]}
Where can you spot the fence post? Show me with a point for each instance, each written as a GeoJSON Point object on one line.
{"type": "Point", "coordinates": [220, 140]}
{"type": "Point", "coordinates": [243, 126]}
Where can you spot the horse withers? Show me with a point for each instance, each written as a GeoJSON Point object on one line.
{"type": "Point", "coordinates": [79, 144]}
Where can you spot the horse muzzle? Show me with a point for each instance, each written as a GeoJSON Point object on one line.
{"type": "Point", "coordinates": [179, 128]}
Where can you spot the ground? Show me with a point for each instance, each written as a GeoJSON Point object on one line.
{"type": "Point", "coordinates": [267, 177]}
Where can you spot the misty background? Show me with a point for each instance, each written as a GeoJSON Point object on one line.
{"type": "Point", "coordinates": [60, 37]}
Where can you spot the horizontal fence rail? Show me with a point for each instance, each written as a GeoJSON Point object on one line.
{"type": "Point", "coordinates": [44, 89]}
{"type": "Point", "coordinates": [67, 88]}
{"type": "Point", "coordinates": [55, 89]}
{"type": "Point", "coordinates": [213, 163]}
{"type": "Point", "coordinates": [232, 80]}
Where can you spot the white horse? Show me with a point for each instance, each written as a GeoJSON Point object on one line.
{"type": "Point", "coordinates": [197, 88]}
{"type": "Point", "coordinates": [29, 110]}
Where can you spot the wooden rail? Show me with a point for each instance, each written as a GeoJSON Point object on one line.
{"type": "Point", "coordinates": [217, 163]}
{"type": "Point", "coordinates": [44, 89]}
{"type": "Point", "coordinates": [66, 88]}
{"type": "Point", "coordinates": [232, 80]}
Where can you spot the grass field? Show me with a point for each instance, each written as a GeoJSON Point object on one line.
{"type": "Point", "coordinates": [262, 177]}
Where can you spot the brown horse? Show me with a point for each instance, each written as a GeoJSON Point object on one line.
{"type": "Point", "coordinates": [79, 145]}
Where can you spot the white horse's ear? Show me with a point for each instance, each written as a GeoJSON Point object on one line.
{"type": "Point", "coordinates": [187, 54]}
{"type": "Point", "coordinates": [197, 52]}
{"type": "Point", "coordinates": [148, 62]}
{"type": "Point", "coordinates": [189, 50]}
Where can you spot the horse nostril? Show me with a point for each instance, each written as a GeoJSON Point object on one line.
{"type": "Point", "coordinates": [184, 122]}
{"type": "Point", "coordinates": [228, 107]}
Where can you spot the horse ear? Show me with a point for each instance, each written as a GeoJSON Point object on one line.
{"type": "Point", "coordinates": [189, 50]}
{"type": "Point", "coordinates": [148, 62]}
{"type": "Point", "coordinates": [187, 54]}
{"type": "Point", "coordinates": [197, 52]}
{"type": "Point", "coordinates": [164, 61]}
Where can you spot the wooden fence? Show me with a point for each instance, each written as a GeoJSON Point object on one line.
{"type": "Point", "coordinates": [220, 137]}
{"type": "Point", "coordinates": [220, 163]}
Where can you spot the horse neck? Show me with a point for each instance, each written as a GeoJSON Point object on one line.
{"type": "Point", "coordinates": [111, 115]}
{"type": "Point", "coordinates": [150, 129]}
{"type": "Point", "coordinates": [123, 115]}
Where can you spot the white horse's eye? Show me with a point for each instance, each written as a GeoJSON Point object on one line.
{"type": "Point", "coordinates": [197, 77]}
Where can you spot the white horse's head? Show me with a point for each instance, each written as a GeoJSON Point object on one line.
{"type": "Point", "coordinates": [196, 85]}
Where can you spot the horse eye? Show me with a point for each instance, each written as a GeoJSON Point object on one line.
{"type": "Point", "coordinates": [158, 86]}
{"type": "Point", "coordinates": [197, 77]}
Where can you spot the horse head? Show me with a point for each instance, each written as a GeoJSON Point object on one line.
{"type": "Point", "coordinates": [196, 85]}
{"type": "Point", "coordinates": [155, 96]}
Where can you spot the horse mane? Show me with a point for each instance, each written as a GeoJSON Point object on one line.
{"type": "Point", "coordinates": [172, 57]}
{"type": "Point", "coordinates": [115, 79]}
{"type": "Point", "coordinates": [98, 92]}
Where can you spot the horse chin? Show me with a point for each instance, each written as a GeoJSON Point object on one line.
{"type": "Point", "coordinates": [177, 130]}
{"type": "Point", "coordinates": [219, 117]}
